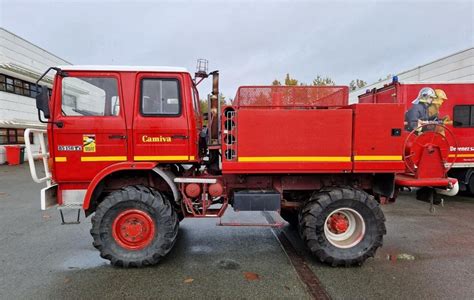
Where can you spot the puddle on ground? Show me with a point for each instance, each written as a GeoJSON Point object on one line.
{"type": "Point", "coordinates": [228, 264]}
{"type": "Point", "coordinates": [400, 257]}
{"type": "Point", "coordinates": [83, 260]}
{"type": "Point", "coordinates": [198, 249]}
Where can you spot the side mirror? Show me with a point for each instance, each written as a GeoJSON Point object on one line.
{"type": "Point", "coordinates": [42, 101]}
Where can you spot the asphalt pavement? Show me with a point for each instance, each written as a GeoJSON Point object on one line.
{"type": "Point", "coordinates": [425, 255]}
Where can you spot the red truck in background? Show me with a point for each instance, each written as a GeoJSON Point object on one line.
{"type": "Point", "coordinates": [453, 107]}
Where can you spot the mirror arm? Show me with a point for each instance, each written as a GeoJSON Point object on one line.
{"type": "Point", "coordinates": [60, 73]}
{"type": "Point", "coordinates": [59, 124]}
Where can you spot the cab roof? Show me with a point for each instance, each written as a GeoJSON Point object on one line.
{"type": "Point", "coordinates": [123, 68]}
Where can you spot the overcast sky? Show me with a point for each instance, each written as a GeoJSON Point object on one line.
{"type": "Point", "coordinates": [249, 42]}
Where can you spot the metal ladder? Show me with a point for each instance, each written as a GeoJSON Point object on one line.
{"type": "Point", "coordinates": [43, 154]}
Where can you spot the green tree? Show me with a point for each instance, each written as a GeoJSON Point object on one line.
{"type": "Point", "coordinates": [290, 81]}
{"type": "Point", "coordinates": [322, 81]}
{"type": "Point", "coordinates": [203, 103]}
{"type": "Point", "coordinates": [276, 82]}
{"type": "Point", "coordinates": [357, 84]}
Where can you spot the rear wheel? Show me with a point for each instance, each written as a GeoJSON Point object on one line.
{"type": "Point", "coordinates": [471, 185]}
{"type": "Point", "coordinates": [342, 226]}
{"type": "Point", "coordinates": [134, 227]}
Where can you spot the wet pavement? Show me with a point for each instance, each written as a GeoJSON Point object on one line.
{"type": "Point", "coordinates": [41, 259]}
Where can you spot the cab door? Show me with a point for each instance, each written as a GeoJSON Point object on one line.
{"type": "Point", "coordinates": [160, 124]}
{"type": "Point", "coordinates": [92, 132]}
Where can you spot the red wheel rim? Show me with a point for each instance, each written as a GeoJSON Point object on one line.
{"type": "Point", "coordinates": [133, 229]}
{"type": "Point", "coordinates": [338, 223]}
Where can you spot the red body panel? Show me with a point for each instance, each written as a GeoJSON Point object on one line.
{"type": "Point", "coordinates": [357, 138]}
{"type": "Point", "coordinates": [286, 140]}
{"type": "Point", "coordinates": [457, 94]}
{"type": "Point", "coordinates": [378, 141]}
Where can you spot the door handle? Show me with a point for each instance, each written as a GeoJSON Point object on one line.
{"type": "Point", "coordinates": [179, 137]}
{"type": "Point", "coordinates": [117, 137]}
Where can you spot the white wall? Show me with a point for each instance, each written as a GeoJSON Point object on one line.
{"type": "Point", "coordinates": [458, 67]}
{"type": "Point", "coordinates": [23, 60]}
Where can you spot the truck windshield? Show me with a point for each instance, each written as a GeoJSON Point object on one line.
{"type": "Point", "coordinates": [89, 96]}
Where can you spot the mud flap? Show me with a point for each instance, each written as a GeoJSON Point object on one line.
{"type": "Point", "coordinates": [384, 184]}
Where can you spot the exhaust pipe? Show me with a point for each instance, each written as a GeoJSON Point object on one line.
{"type": "Point", "coordinates": [214, 109]}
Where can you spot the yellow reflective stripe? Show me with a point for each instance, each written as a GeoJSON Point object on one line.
{"type": "Point", "coordinates": [103, 158]}
{"type": "Point", "coordinates": [60, 159]}
{"type": "Point", "coordinates": [461, 155]}
{"type": "Point", "coordinates": [295, 159]}
{"type": "Point", "coordinates": [377, 157]}
{"type": "Point", "coordinates": [191, 157]}
{"type": "Point", "coordinates": [171, 157]}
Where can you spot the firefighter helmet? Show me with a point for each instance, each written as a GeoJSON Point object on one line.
{"type": "Point", "coordinates": [440, 94]}
{"type": "Point", "coordinates": [426, 95]}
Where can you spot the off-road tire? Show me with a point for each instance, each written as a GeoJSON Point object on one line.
{"type": "Point", "coordinates": [470, 185]}
{"type": "Point", "coordinates": [312, 220]}
{"type": "Point", "coordinates": [138, 197]}
{"type": "Point", "coordinates": [291, 216]}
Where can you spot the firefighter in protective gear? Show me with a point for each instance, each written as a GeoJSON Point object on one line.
{"type": "Point", "coordinates": [433, 111]}
{"type": "Point", "coordinates": [417, 115]}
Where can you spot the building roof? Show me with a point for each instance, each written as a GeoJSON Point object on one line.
{"type": "Point", "coordinates": [123, 68]}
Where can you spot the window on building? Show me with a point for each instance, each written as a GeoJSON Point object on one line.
{"type": "Point", "coordinates": [11, 136]}
{"type": "Point", "coordinates": [463, 116]}
{"type": "Point", "coordinates": [89, 96]}
{"type": "Point", "coordinates": [3, 136]}
{"type": "Point", "coordinates": [160, 97]}
{"type": "Point", "coordinates": [10, 87]}
{"type": "Point", "coordinates": [2, 82]}
{"type": "Point", "coordinates": [18, 86]}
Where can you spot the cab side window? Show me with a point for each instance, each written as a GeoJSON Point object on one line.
{"type": "Point", "coordinates": [463, 116]}
{"type": "Point", "coordinates": [196, 103]}
{"type": "Point", "coordinates": [160, 97]}
{"type": "Point", "coordinates": [89, 96]}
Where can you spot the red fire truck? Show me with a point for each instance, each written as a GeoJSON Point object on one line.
{"type": "Point", "coordinates": [455, 111]}
{"type": "Point", "coordinates": [128, 146]}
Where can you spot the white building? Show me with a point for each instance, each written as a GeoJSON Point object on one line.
{"type": "Point", "coordinates": [21, 64]}
{"type": "Point", "coordinates": [457, 67]}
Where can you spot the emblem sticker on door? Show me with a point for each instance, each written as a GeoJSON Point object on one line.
{"type": "Point", "coordinates": [88, 142]}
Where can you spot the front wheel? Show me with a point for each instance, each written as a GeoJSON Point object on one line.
{"type": "Point", "coordinates": [342, 226]}
{"type": "Point", "coordinates": [134, 227]}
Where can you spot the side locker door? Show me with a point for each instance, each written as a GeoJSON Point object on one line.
{"type": "Point", "coordinates": [160, 125]}
{"type": "Point", "coordinates": [93, 132]}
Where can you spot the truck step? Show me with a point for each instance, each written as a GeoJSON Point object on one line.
{"type": "Point", "coordinates": [70, 206]}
